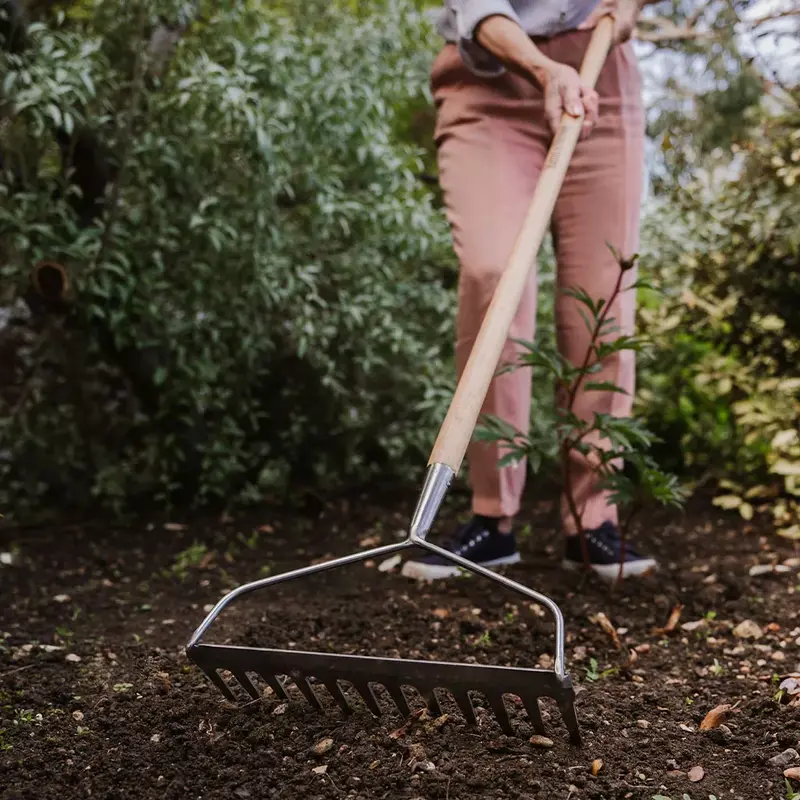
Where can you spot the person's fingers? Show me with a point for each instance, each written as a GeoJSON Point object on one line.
{"type": "Point", "coordinates": [571, 97]}
{"type": "Point", "coordinates": [602, 9]}
{"type": "Point", "coordinates": [590, 109]}
{"type": "Point", "coordinates": [552, 107]}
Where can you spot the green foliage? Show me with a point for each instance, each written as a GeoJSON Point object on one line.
{"type": "Point", "coordinates": [617, 447]}
{"type": "Point", "coordinates": [265, 296]}
{"type": "Point", "coordinates": [725, 389]}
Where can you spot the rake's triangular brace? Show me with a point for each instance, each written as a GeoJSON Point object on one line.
{"type": "Point", "coordinates": [276, 666]}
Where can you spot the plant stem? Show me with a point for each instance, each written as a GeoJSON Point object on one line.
{"type": "Point", "coordinates": [566, 446]}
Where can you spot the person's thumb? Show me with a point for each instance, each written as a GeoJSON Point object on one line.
{"type": "Point", "coordinates": [572, 100]}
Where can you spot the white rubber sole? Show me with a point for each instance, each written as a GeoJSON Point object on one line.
{"type": "Point", "coordinates": [610, 572]}
{"type": "Point", "coordinates": [432, 572]}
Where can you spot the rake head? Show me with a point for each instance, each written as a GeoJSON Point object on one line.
{"type": "Point", "coordinates": [277, 667]}
{"type": "Point", "coordinates": [309, 671]}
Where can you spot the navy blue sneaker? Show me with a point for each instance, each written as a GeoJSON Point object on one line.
{"type": "Point", "coordinates": [605, 549]}
{"type": "Point", "coordinates": [478, 540]}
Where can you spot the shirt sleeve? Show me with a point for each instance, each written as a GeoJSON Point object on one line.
{"type": "Point", "coordinates": [469, 14]}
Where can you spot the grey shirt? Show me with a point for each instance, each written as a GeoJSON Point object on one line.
{"type": "Point", "coordinates": [459, 18]}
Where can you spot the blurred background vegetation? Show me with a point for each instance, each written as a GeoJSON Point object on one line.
{"type": "Point", "coordinates": [225, 273]}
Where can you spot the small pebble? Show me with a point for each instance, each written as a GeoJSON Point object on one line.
{"type": "Point", "coordinates": [778, 655]}
{"type": "Point", "coordinates": [77, 716]}
{"type": "Point", "coordinates": [642, 723]}
{"type": "Point", "coordinates": [785, 759]}
{"type": "Point", "coordinates": [155, 738]}
{"type": "Point", "coordinates": [62, 598]}
{"type": "Point", "coordinates": [322, 746]}
{"type": "Point", "coordinates": [540, 741]}
{"type": "Point", "coordinates": [72, 658]}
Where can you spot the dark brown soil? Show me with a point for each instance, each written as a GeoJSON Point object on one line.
{"type": "Point", "coordinates": [117, 711]}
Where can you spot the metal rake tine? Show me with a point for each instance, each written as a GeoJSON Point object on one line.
{"type": "Point", "coordinates": [465, 704]}
{"type": "Point", "coordinates": [365, 690]}
{"type": "Point", "coordinates": [333, 687]}
{"type": "Point", "coordinates": [274, 683]}
{"type": "Point", "coordinates": [531, 703]}
{"type": "Point", "coordinates": [246, 683]}
{"type": "Point", "coordinates": [396, 693]}
{"type": "Point", "coordinates": [308, 692]}
{"type": "Point", "coordinates": [434, 709]}
{"type": "Point", "coordinates": [499, 708]}
{"type": "Point", "coordinates": [567, 706]}
{"type": "Point", "coordinates": [217, 680]}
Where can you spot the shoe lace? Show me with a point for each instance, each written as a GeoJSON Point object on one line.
{"type": "Point", "coordinates": [466, 535]}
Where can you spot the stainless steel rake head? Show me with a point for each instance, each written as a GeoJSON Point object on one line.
{"type": "Point", "coordinates": [317, 673]}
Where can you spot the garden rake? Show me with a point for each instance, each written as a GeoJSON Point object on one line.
{"type": "Point", "coordinates": [277, 667]}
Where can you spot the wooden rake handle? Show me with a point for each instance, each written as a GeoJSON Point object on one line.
{"type": "Point", "coordinates": [462, 416]}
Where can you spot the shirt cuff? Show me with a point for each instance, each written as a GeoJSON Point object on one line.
{"type": "Point", "coordinates": [469, 14]}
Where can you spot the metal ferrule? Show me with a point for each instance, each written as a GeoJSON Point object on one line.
{"type": "Point", "coordinates": [437, 481]}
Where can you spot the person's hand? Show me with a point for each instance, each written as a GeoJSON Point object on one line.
{"type": "Point", "coordinates": [624, 12]}
{"type": "Point", "coordinates": [565, 92]}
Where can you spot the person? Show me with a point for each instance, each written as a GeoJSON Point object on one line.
{"type": "Point", "coordinates": [507, 72]}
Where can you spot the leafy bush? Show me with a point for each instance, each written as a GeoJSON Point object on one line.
{"type": "Point", "coordinates": [726, 386]}
{"type": "Point", "coordinates": [265, 294]}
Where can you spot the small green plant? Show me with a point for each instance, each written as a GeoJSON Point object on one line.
{"type": "Point", "coordinates": [616, 446]}
{"type": "Point", "coordinates": [251, 541]}
{"type": "Point", "coordinates": [688, 701]}
{"type": "Point", "coordinates": [593, 673]}
{"type": "Point", "coordinates": [65, 634]}
{"type": "Point", "coordinates": [716, 669]}
{"type": "Point", "coordinates": [484, 640]}
{"type": "Point", "coordinates": [791, 794]}
{"type": "Point", "coordinates": [188, 558]}
{"type": "Point", "coordinates": [710, 616]}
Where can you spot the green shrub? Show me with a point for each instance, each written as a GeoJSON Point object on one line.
{"type": "Point", "coordinates": [725, 388]}
{"type": "Point", "coordinates": [270, 297]}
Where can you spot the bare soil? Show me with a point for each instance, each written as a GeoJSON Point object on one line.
{"type": "Point", "coordinates": [97, 698]}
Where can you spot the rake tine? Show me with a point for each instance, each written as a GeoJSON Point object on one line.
{"type": "Point", "coordinates": [396, 693]}
{"type": "Point", "coordinates": [365, 690]}
{"type": "Point", "coordinates": [499, 708]}
{"type": "Point", "coordinates": [465, 704]}
{"type": "Point", "coordinates": [567, 706]}
{"type": "Point", "coordinates": [217, 680]}
{"type": "Point", "coordinates": [531, 703]}
{"type": "Point", "coordinates": [274, 683]}
{"type": "Point", "coordinates": [434, 709]}
{"type": "Point", "coordinates": [247, 684]}
{"type": "Point", "coordinates": [308, 692]}
{"type": "Point", "coordinates": [335, 691]}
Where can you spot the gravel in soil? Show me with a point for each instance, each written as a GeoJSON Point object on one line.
{"type": "Point", "coordinates": [97, 698]}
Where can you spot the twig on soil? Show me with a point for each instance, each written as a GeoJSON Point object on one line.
{"type": "Point", "coordinates": [447, 791]}
{"type": "Point", "coordinates": [333, 783]}
{"type": "Point", "coordinates": [18, 669]}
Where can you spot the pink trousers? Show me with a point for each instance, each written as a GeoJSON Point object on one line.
{"type": "Point", "coordinates": [492, 139]}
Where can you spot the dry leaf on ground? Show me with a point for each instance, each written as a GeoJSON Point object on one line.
{"type": "Point", "coordinates": [696, 774]}
{"type": "Point", "coordinates": [793, 773]}
{"type": "Point", "coordinates": [407, 724]}
{"type": "Point", "coordinates": [715, 717]}
{"type": "Point", "coordinates": [597, 765]}
{"type": "Point", "coordinates": [672, 622]}
{"type": "Point", "coordinates": [605, 623]}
